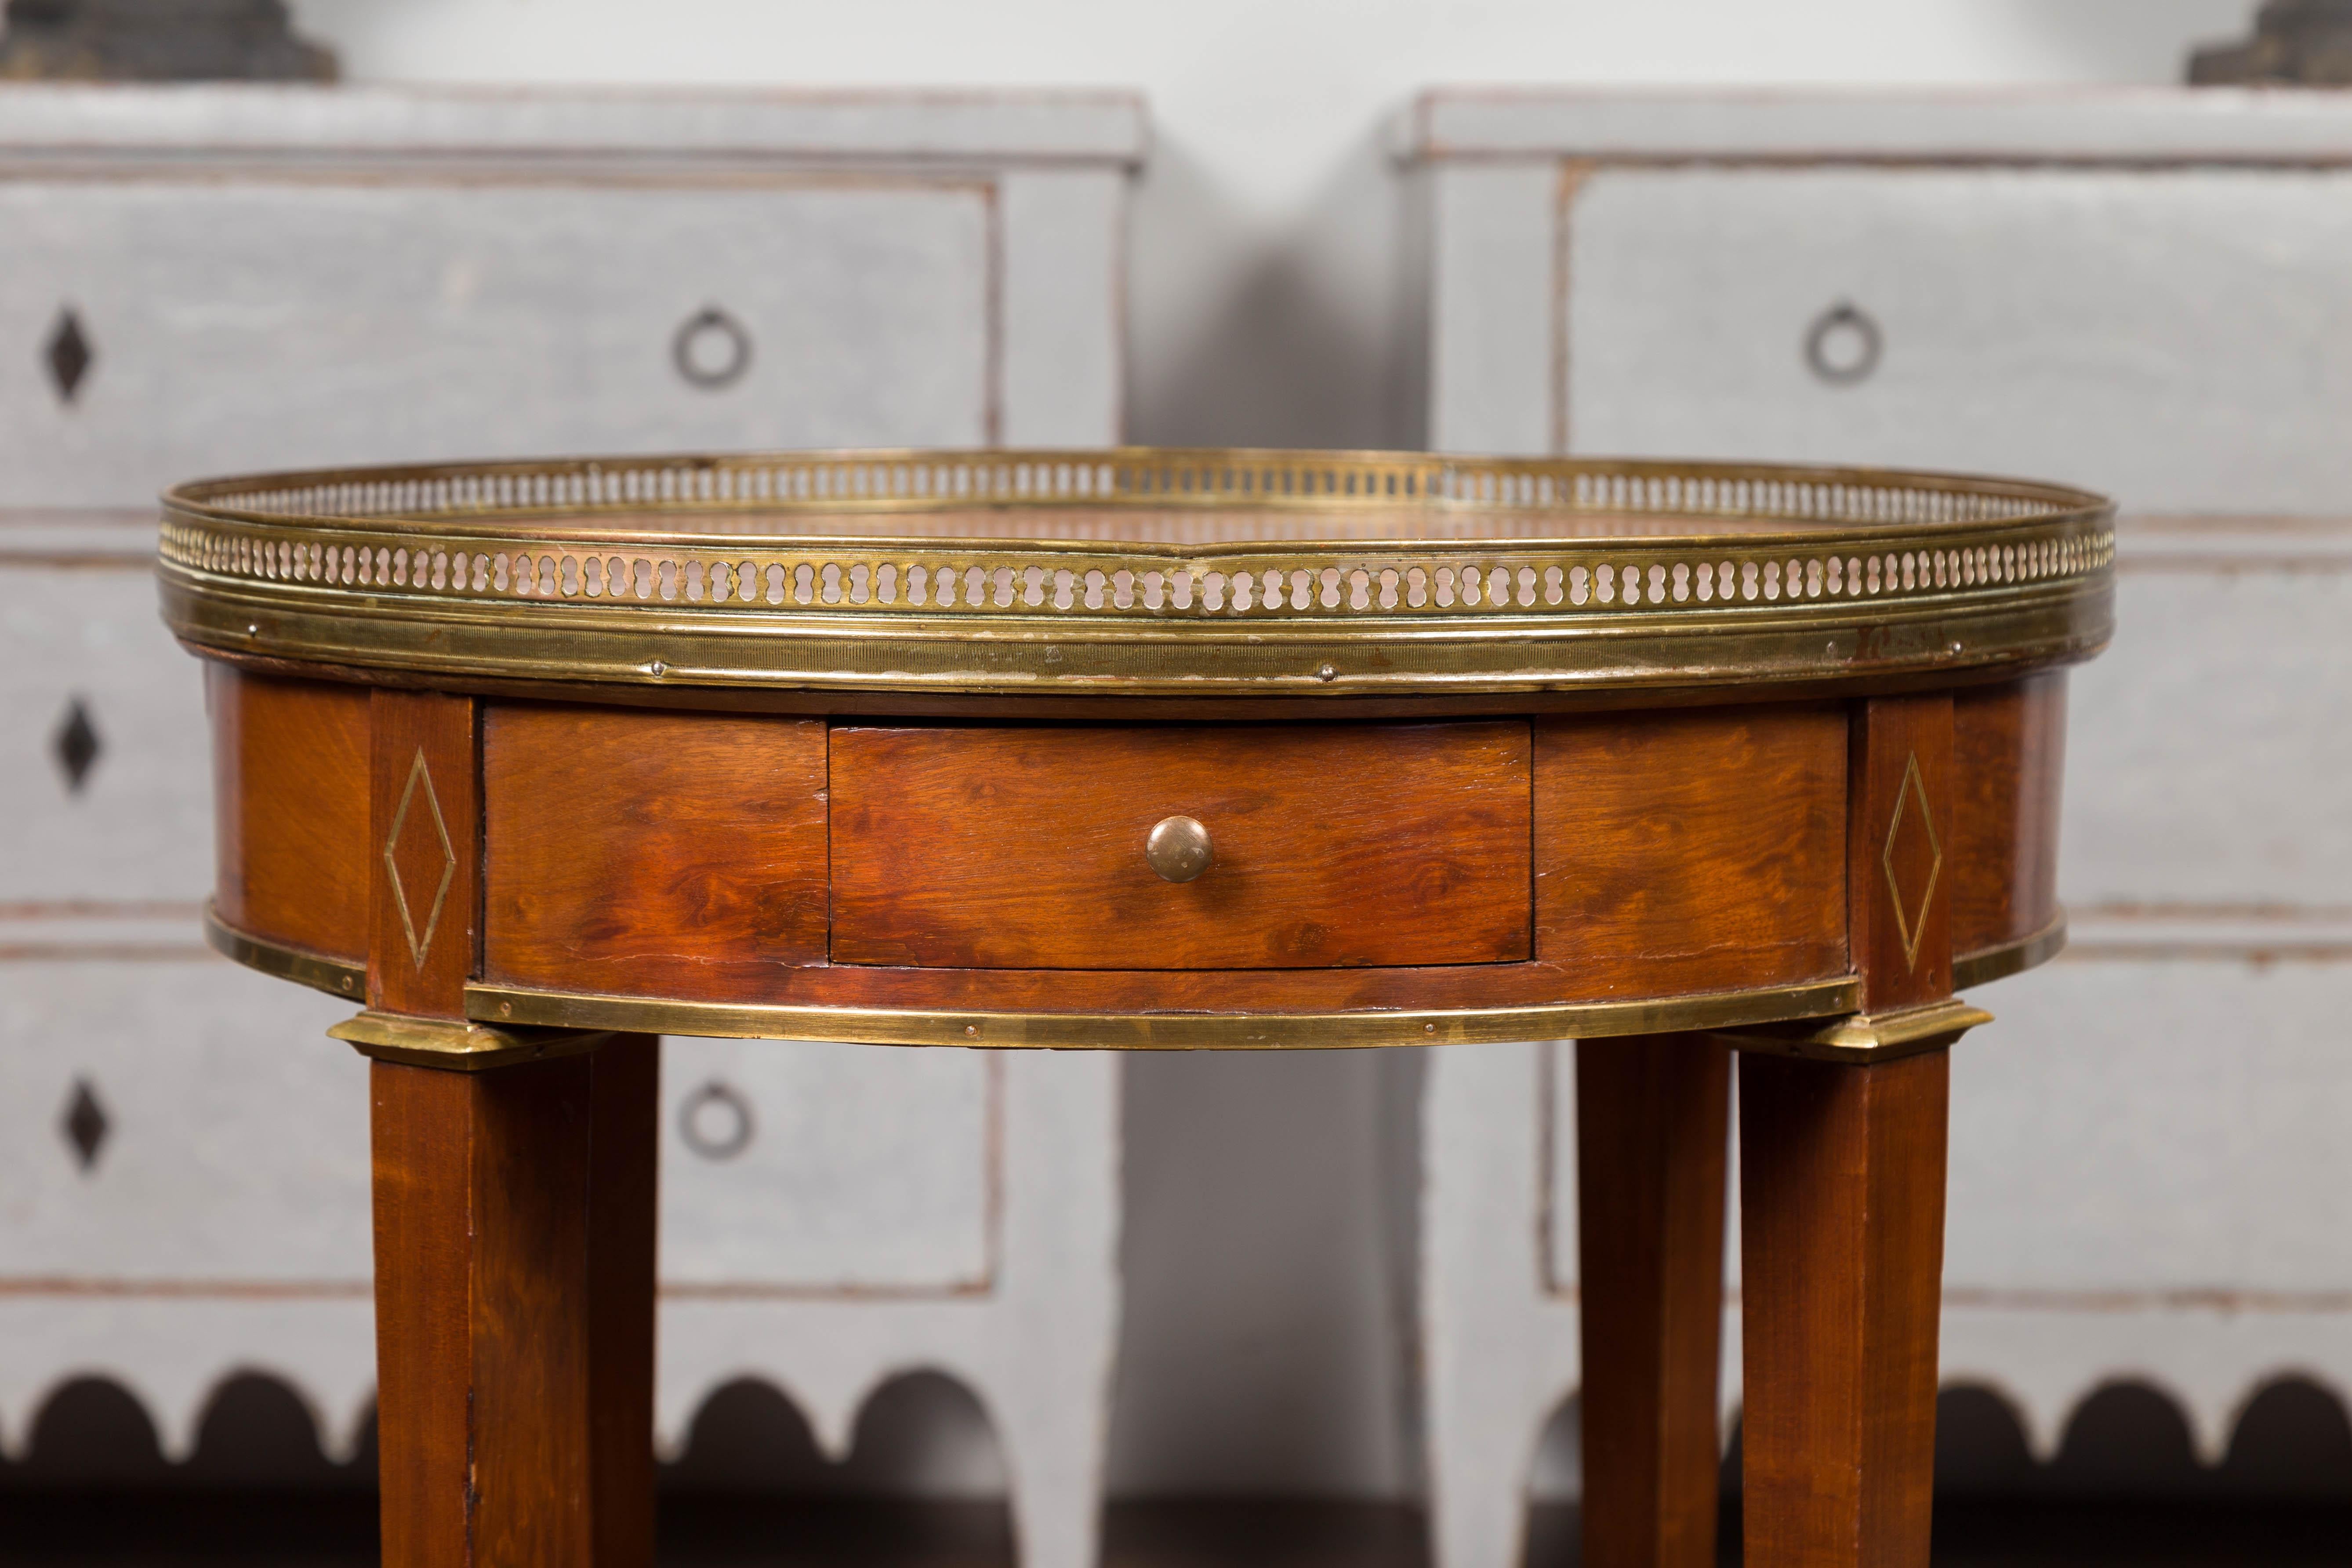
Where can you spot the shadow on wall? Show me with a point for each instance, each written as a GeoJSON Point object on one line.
{"type": "Point", "coordinates": [921, 1434]}
{"type": "Point", "coordinates": [1254, 331]}
{"type": "Point", "coordinates": [256, 1432]}
{"type": "Point", "coordinates": [924, 1434]}
{"type": "Point", "coordinates": [2126, 1440]}
{"type": "Point", "coordinates": [2293, 1439]}
{"type": "Point", "coordinates": [1265, 1344]}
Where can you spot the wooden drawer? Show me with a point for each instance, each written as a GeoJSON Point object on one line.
{"type": "Point", "coordinates": [1021, 847]}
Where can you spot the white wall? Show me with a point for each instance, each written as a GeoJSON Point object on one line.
{"type": "Point", "coordinates": [1268, 1246]}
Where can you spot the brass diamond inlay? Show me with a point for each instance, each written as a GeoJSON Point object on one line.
{"type": "Point", "coordinates": [419, 943]}
{"type": "Point", "coordinates": [1912, 927]}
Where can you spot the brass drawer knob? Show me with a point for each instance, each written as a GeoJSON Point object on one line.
{"type": "Point", "coordinates": [1179, 848]}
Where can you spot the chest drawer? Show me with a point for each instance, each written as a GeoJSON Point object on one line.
{"type": "Point", "coordinates": [2168, 336]}
{"type": "Point", "coordinates": [172, 1121]}
{"type": "Point", "coordinates": [104, 777]}
{"type": "Point", "coordinates": [2199, 744]}
{"type": "Point", "coordinates": [240, 318]}
{"type": "Point", "coordinates": [1026, 847]}
{"type": "Point", "coordinates": [817, 1167]}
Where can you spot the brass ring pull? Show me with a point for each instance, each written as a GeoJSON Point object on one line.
{"type": "Point", "coordinates": [1179, 848]}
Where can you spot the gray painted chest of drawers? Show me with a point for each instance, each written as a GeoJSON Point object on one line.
{"type": "Point", "coordinates": [195, 280]}
{"type": "Point", "coordinates": [2144, 292]}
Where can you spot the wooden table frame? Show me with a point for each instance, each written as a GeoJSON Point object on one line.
{"type": "Point", "coordinates": [527, 881]}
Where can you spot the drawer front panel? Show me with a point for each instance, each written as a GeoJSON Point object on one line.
{"type": "Point", "coordinates": [678, 854]}
{"type": "Point", "coordinates": [1651, 877]}
{"type": "Point", "coordinates": [291, 827]}
{"type": "Point", "coordinates": [178, 1123]}
{"type": "Point", "coordinates": [106, 770]}
{"type": "Point", "coordinates": [2207, 749]}
{"type": "Point", "coordinates": [2169, 337]}
{"type": "Point", "coordinates": [2215, 1163]}
{"type": "Point", "coordinates": [1024, 848]}
{"type": "Point", "coordinates": [2009, 745]}
{"type": "Point", "coordinates": [2215, 1160]}
{"type": "Point", "coordinates": [241, 320]}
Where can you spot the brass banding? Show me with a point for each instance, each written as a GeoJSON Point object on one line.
{"type": "Point", "coordinates": [1129, 572]}
{"type": "Point", "coordinates": [505, 1005]}
{"type": "Point", "coordinates": [1256, 1030]}
{"type": "Point", "coordinates": [320, 971]}
{"type": "Point", "coordinates": [1987, 965]}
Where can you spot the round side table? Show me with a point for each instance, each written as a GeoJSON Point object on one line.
{"type": "Point", "coordinates": [1151, 750]}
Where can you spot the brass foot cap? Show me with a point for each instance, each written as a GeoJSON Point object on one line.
{"type": "Point", "coordinates": [1863, 1037]}
{"type": "Point", "coordinates": [456, 1046]}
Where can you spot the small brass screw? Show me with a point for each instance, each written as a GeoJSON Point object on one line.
{"type": "Point", "coordinates": [1327, 672]}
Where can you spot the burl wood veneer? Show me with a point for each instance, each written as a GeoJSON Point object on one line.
{"type": "Point", "coordinates": [1693, 850]}
{"type": "Point", "coordinates": [688, 855]}
{"type": "Point", "coordinates": [1013, 847]}
{"type": "Point", "coordinates": [652, 852]}
{"type": "Point", "coordinates": [291, 810]}
{"type": "Point", "coordinates": [2008, 742]}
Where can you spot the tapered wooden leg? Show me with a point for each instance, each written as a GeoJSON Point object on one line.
{"type": "Point", "coordinates": [1841, 1186]}
{"type": "Point", "coordinates": [1842, 1191]}
{"type": "Point", "coordinates": [623, 1200]}
{"type": "Point", "coordinates": [1652, 1127]}
{"type": "Point", "coordinates": [514, 1238]}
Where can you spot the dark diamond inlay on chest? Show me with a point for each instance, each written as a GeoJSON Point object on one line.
{"type": "Point", "coordinates": [76, 746]}
{"type": "Point", "coordinates": [68, 353]}
{"type": "Point", "coordinates": [85, 1125]}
